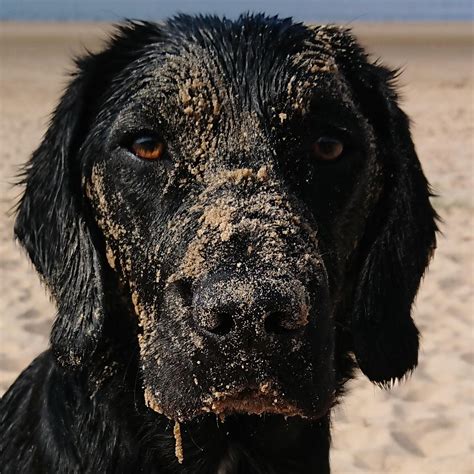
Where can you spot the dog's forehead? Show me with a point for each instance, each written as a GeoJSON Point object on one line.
{"type": "Point", "coordinates": [258, 72]}
{"type": "Point", "coordinates": [224, 92]}
{"type": "Point", "coordinates": [251, 73]}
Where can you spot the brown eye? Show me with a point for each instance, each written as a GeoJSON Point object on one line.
{"type": "Point", "coordinates": [327, 148]}
{"type": "Point", "coordinates": [148, 148]}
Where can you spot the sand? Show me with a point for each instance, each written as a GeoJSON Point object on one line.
{"type": "Point", "coordinates": [422, 426]}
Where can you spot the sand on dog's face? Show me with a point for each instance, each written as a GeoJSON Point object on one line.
{"type": "Point", "coordinates": [237, 211]}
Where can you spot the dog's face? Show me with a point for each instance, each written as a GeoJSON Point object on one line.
{"type": "Point", "coordinates": [229, 175]}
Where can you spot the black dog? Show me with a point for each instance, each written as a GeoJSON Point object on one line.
{"type": "Point", "coordinates": [230, 216]}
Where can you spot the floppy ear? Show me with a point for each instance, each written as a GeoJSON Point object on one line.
{"type": "Point", "coordinates": [398, 243]}
{"type": "Point", "coordinates": [50, 224]}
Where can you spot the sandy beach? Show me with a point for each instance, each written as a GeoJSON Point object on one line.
{"type": "Point", "coordinates": [424, 425]}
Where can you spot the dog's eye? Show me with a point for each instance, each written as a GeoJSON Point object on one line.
{"type": "Point", "coordinates": [327, 148]}
{"type": "Point", "coordinates": [148, 147]}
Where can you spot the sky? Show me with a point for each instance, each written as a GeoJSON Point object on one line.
{"type": "Point", "coordinates": [305, 10]}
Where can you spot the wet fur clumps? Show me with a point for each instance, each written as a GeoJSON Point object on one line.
{"type": "Point", "coordinates": [213, 303]}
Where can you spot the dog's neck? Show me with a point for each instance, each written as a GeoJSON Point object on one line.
{"type": "Point", "coordinates": [270, 443]}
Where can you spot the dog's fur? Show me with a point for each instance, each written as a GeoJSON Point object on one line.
{"type": "Point", "coordinates": [230, 288]}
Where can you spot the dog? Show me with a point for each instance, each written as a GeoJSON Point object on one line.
{"type": "Point", "coordinates": [231, 218]}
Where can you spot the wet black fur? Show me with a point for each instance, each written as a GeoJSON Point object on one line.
{"type": "Point", "coordinates": [79, 406]}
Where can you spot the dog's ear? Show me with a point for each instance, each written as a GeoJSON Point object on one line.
{"type": "Point", "coordinates": [399, 239]}
{"type": "Point", "coordinates": [400, 235]}
{"type": "Point", "coordinates": [51, 221]}
{"type": "Point", "coordinates": [51, 226]}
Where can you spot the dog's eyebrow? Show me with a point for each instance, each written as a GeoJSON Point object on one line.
{"type": "Point", "coordinates": [134, 119]}
{"type": "Point", "coordinates": [331, 111]}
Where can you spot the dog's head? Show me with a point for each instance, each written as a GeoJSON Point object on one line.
{"type": "Point", "coordinates": [248, 190]}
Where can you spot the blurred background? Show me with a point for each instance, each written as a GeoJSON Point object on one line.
{"type": "Point", "coordinates": [424, 425]}
{"type": "Point", "coordinates": [307, 10]}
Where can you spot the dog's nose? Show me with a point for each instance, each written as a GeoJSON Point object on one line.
{"type": "Point", "coordinates": [262, 305]}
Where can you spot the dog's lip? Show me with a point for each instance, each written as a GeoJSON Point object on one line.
{"type": "Point", "coordinates": [250, 404]}
{"type": "Point", "coordinates": [256, 401]}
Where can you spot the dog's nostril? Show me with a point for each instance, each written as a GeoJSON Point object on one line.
{"type": "Point", "coordinates": [185, 290]}
{"type": "Point", "coordinates": [280, 322]}
{"type": "Point", "coordinates": [221, 324]}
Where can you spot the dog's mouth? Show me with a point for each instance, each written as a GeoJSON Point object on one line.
{"type": "Point", "coordinates": [251, 401]}
{"type": "Point", "coordinates": [263, 399]}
